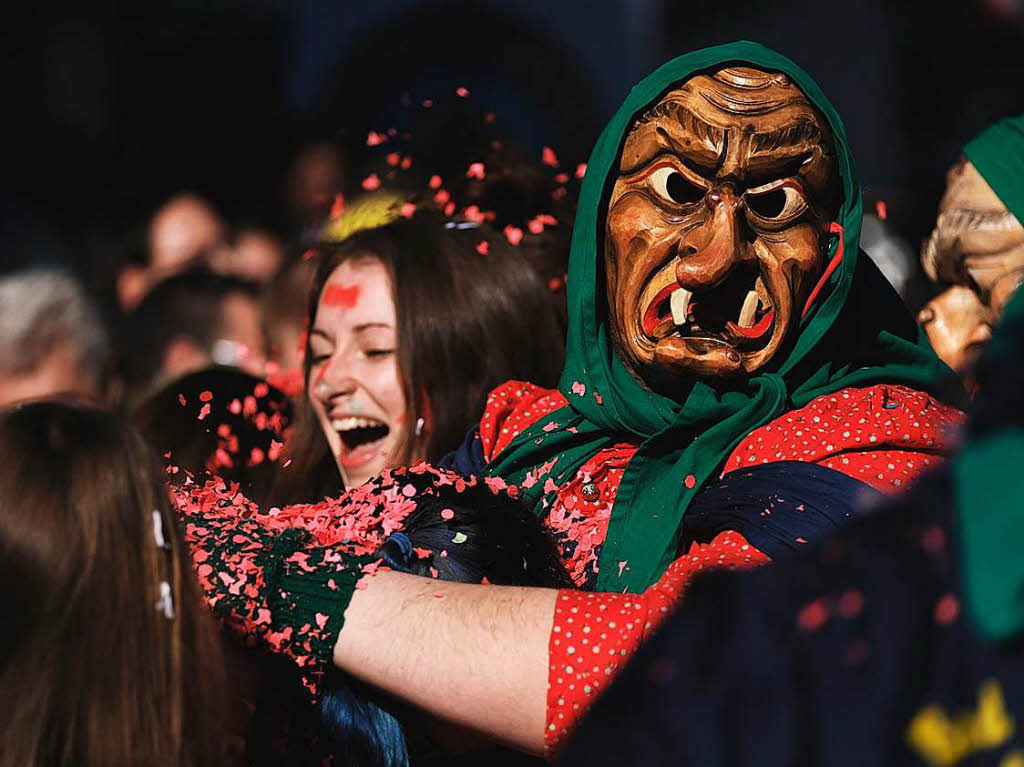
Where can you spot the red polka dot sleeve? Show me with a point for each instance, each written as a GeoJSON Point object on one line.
{"type": "Point", "coordinates": [594, 634]}
{"type": "Point", "coordinates": [511, 408]}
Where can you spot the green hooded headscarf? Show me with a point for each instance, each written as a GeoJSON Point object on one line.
{"type": "Point", "coordinates": [857, 333]}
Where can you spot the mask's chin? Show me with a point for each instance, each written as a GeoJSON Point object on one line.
{"type": "Point", "coordinates": [728, 330]}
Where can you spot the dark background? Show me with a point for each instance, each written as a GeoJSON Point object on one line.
{"type": "Point", "coordinates": [110, 107]}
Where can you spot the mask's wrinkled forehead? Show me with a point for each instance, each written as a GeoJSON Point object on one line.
{"type": "Point", "coordinates": [738, 122]}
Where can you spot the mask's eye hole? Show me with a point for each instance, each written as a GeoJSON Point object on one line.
{"type": "Point", "coordinates": [775, 203]}
{"type": "Point", "coordinates": [672, 186]}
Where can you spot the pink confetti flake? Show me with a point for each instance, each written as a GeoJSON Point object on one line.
{"type": "Point", "coordinates": [476, 170]}
{"type": "Point", "coordinates": [447, 514]}
{"type": "Point", "coordinates": [581, 170]}
{"type": "Point", "coordinates": [181, 399]}
{"type": "Point", "coordinates": [393, 159]}
{"type": "Point", "coordinates": [442, 197]}
{"type": "Point", "coordinates": [622, 566]}
{"type": "Point", "coordinates": [947, 610]}
{"type": "Point", "coordinates": [472, 213]}
{"type": "Point", "coordinates": [435, 182]}
{"type": "Point", "coordinates": [801, 540]}
{"type": "Point", "coordinates": [850, 603]}
{"type": "Point", "coordinates": [427, 103]}
{"type": "Point", "coordinates": [579, 388]}
{"type": "Point", "coordinates": [409, 491]}
{"type": "Point", "coordinates": [598, 398]}
{"type": "Point", "coordinates": [274, 451]}
{"type": "Point", "coordinates": [690, 481]}
{"type": "Point", "coordinates": [256, 457]}
{"type": "Point", "coordinates": [513, 234]}
{"type": "Point", "coordinates": [535, 226]}
{"type": "Point", "coordinates": [205, 396]}
{"type": "Point", "coordinates": [555, 284]}
{"type": "Point", "coordinates": [375, 139]}
{"type": "Point", "coordinates": [321, 620]}
{"type": "Point", "coordinates": [559, 193]}
{"type": "Point", "coordinates": [812, 616]}
{"type": "Point", "coordinates": [422, 553]}
{"type": "Point", "coordinates": [261, 389]}
{"type": "Point", "coordinates": [371, 182]}
{"type": "Point", "coordinates": [881, 209]}
{"type": "Point", "coordinates": [235, 406]}
{"type": "Point", "coordinates": [408, 209]}
{"type": "Point", "coordinates": [449, 209]}
{"type": "Point", "coordinates": [433, 573]}
{"type": "Point", "coordinates": [406, 162]}
{"type": "Point", "coordinates": [461, 92]}
{"type": "Point", "coordinates": [309, 254]}
{"type": "Point", "coordinates": [337, 208]}
{"type": "Point", "coordinates": [483, 247]}
{"type": "Point", "coordinates": [489, 118]}
{"type": "Point", "coordinates": [204, 411]}
{"type": "Point", "coordinates": [562, 178]}
{"type": "Point", "coordinates": [548, 157]}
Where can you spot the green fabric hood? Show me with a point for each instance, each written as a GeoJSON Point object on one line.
{"type": "Point", "coordinates": [998, 154]}
{"type": "Point", "coordinates": [856, 334]}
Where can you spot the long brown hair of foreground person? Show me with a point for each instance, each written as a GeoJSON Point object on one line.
{"type": "Point", "coordinates": [107, 656]}
{"type": "Point", "coordinates": [470, 314]}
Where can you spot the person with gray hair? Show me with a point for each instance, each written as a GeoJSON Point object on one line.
{"type": "Point", "coordinates": [52, 339]}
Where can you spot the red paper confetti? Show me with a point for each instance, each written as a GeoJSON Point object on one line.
{"type": "Point", "coordinates": [435, 182]}
{"type": "Point", "coordinates": [555, 284]}
{"type": "Point", "coordinates": [690, 481]}
{"type": "Point", "coordinates": [309, 254]}
{"type": "Point", "coordinates": [371, 182]}
{"type": "Point", "coordinates": [581, 170]}
{"type": "Point", "coordinates": [513, 234]}
{"type": "Point", "coordinates": [472, 213]}
{"type": "Point", "coordinates": [483, 247]}
{"type": "Point", "coordinates": [947, 610]}
{"type": "Point", "coordinates": [204, 411]}
{"type": "Point", "coordinates": [442, 197]}
{"type": "Point", "coordinates": [488, 118]}
{"type": "Point", "coordinates": [235, 406]}
{"type": "Point", "coordinates": [274, 451]}
{"type": "Point", "coordinates": [345, 296]}
{"type": "Point", "coordinates": [337, 208]}
{"type": "Point", "coordinates": [535, 226]}
{"type": "Point", "coordinates": [562, 178]}
{"type": "Point", "coordinates": [261, 389]}
{"type": "Point", "coordinates": [449, 209]}
{"type": "Point", "coordinates": [548, 157]}
{"type": "Point", "coordinates": [181, 399]}
{"type": "Point", "coordinates": [447, 514]}
{"type": "Point", "coordinates": [881, 209]}
{"type": "Point", "coordinates": [375, 139]}
{"type": "Point", "coordinates": [406, 162]}
{"type": "Point", "coordinates": [393, 159]}
{"type": "Point", "coordinates": [256, 456]}
{"type": "Point", "coordinates": [427, 103]}
{"type": "Point", "coordinates": [476, 170]}
{"type": "Point", "coordinates": [813, 616]}
{"type": "Point", "coordinates": [205, 396]}
{"type": "Point", "coordinates": [408, 209]}
{"type": "Point", "coordinates": [461, 92]}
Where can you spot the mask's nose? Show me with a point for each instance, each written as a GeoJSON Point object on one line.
{"type": "Point", "coordinates": [708, 251]}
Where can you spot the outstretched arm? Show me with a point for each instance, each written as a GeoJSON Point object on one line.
{"type": "Point", "coordinates": [474, 655]}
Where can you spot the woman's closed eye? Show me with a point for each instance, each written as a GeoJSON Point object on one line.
{"type": "Point", "coordinates": [377, 353]}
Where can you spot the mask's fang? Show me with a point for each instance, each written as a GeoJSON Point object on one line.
{"type": "Point", "coordinates": [749, 311]}
{"type": "Point", "coordinates": [679, 302]}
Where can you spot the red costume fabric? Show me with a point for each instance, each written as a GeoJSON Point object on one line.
{"type": "Point", "coordinates": [882, 435]}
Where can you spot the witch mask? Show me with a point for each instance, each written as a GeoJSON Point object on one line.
{"type": "Point", "coordinates": [977, 247]}
{"type": "Point", "coordinates": [716, 226]}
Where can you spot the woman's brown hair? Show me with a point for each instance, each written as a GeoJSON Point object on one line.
{"type": "Point", "coordinates": [472, 314]}
{"type": "Point", "coordinates": [108, 656]}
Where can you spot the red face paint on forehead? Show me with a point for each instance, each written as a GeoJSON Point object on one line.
{"type": "Point", "coordinates": [345, 296]}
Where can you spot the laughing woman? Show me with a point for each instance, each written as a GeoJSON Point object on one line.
{"type": "Point", "coordinates": [410, 326]}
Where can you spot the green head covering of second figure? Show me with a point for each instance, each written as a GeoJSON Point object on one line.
{"type": "Point", "coordinates": [715, 283]}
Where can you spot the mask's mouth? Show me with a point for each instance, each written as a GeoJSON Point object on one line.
{"type": "Point", "coordinates": [738, 311]}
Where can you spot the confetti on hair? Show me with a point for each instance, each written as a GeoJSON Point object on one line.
{"type": "Point", "coordinates": [256, 456]}
{"type": "Point", "coordinates": [406, 162]}
{"type": "Point", "coordinates": [181, 399]}
{"type": "Point", "coordinates": [581, 170]}
{"type": "Point", "coordinates": [205, 396]}
{"type": "Point", "coordinates": [460, 537]}
{"type": "Point", "coordinates": [483, 247]}
{"type": "Point", "coordinates": [393, 159]}
{"type": "Point", "coordinates": [408, 209]}
{"type": "Point", "coordinates": [562, 178]}
{"type": "Point", "coordinates": [548, 157]}
{"type": "Point", "coordinates": [371, 182]}
{"type": "Point", "coordinates": [555, 284]}
{"type": "Point", "coordinates": [309, 254]}
{"type": "Point", "coordinates": [435, 182]}
{"type": "Point", "coordinates": [449, 209]}
{"type": "Point", "coordinates": [442, 197]}
{"type": "Point", "coordinates": [447, 514]}
{"type": "Point", "coordinates": [375, 139]}
{"type": "Point", "coordinates": [235, 406]}
{"type": "Point", "coordinates": [476, 170]}
{"type": "Point", "coordinates": [472, 213]}
{"type": "Point", "coordinates": [204, 411]}
{"type": "Point", "coordinates": [337, 208]}
{"type": "Point", "coordinates": [513, 234]}
{"type": "Point", "coordinates": [489, 118]}
{"type": "Point", "coordinates": [461, 92]}
{"type": "Point", "coordinates": [881, 209]}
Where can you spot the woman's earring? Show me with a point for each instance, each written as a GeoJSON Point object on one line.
{"type": "Point", "coordinates": [419, 427]}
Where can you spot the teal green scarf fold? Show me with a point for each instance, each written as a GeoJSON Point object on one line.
{"type": "Point", "coordinates": [856, 334]}
{"type": "Point", "coordinates": [998, 154]}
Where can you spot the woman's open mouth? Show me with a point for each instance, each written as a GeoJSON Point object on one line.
{"type": "Point", "coordinates": [737, 311]}
{"type": "Point", "coordinates": [361, 439]}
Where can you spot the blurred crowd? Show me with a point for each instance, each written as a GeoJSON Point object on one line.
{"type": "Point", "coordinates": [291, 380]}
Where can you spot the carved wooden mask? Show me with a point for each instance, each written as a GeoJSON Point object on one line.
{"type": "Point", "coordinates": [716, 224]}
{"type": "Point", "coordinates": [977, 246]}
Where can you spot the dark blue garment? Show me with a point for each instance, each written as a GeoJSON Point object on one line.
{"type": "Point", "coordinates": [468, 458]}
{"type": "Point", "coordinates": [853, 653]}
